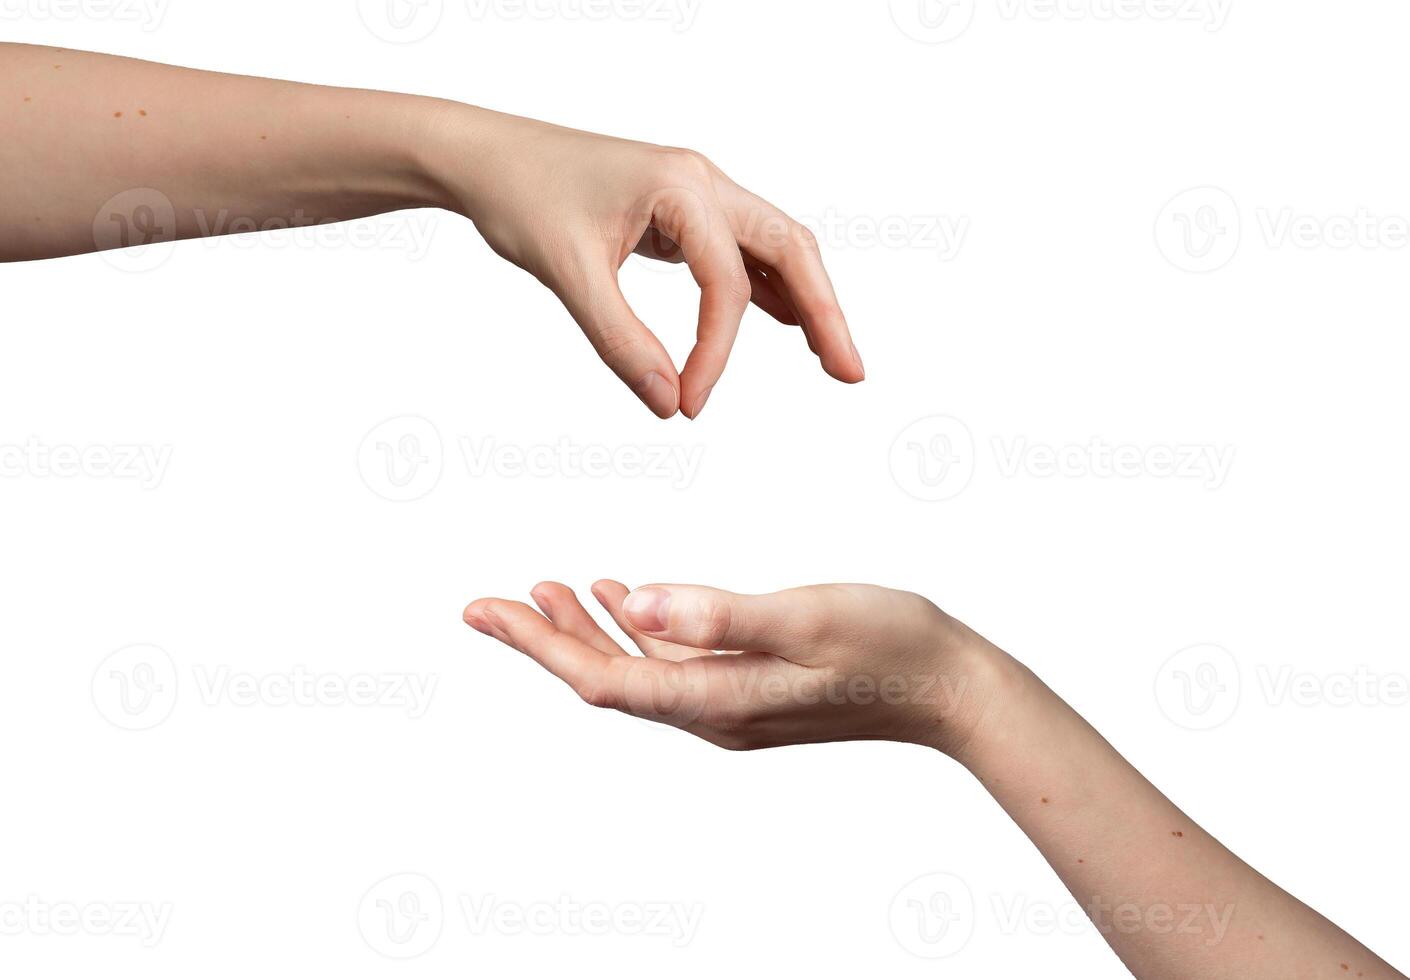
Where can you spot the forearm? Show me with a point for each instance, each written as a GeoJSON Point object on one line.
{"type": "Point", "coordinates": [230, 153]}
{"type": "Point", "coordinates": [1172, 901]}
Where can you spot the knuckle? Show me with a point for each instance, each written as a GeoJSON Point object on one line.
{"type": "Point", "coordinates": [738, 288]}
{"type": "Point", "coordinates": [598, 694]}
{"type": "Point", "coordinates": [805, 237]}
{"type": "Point", "coordinates": [685, 165]}
{"type": "Point", "coordinates": [614, 342]}
{"type": "Point", "coordinates": [714, 618]}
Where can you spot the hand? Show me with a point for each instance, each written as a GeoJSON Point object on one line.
{"type": "Point", "coordinates": [569, 207]}
{"type": "Point", "coordinates": [819, 664]}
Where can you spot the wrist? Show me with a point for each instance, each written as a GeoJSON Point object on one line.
{"type": "Point", "coordinates": [979, 685]}
{"type": "Point", "coordinates": [454, 152]}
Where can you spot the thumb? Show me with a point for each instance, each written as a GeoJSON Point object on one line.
{"type": "Point", "coordinates": [711, 619]}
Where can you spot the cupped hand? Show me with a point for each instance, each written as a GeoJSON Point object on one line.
{"type": "Point", "coordinates": [818, 664]}
{"type": "Point", "coordinates": [570, 207]}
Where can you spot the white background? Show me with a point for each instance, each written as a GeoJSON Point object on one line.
{"type": "Point", "coordinates": [1076, 312]}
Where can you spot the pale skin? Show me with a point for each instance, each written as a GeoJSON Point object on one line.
{"type": "Point", "coordinates": [78, 129]}
{"type": "Point", "coordinates": [845, 662]}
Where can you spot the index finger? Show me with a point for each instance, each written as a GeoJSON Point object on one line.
{"type": "Point", "coordinates": [702, 230]}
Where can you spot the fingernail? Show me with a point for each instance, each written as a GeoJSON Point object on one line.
{"type": "Point", "coordinates": [647, 608]}
{"type": "Point", "coordinates": [479, 624]}
{"type": "Point", "coordinates": [858, 358]}
{"type": "Point", "coordinates": [700, 402]}
{"type": "Point", "coordinates": [658, 394]}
